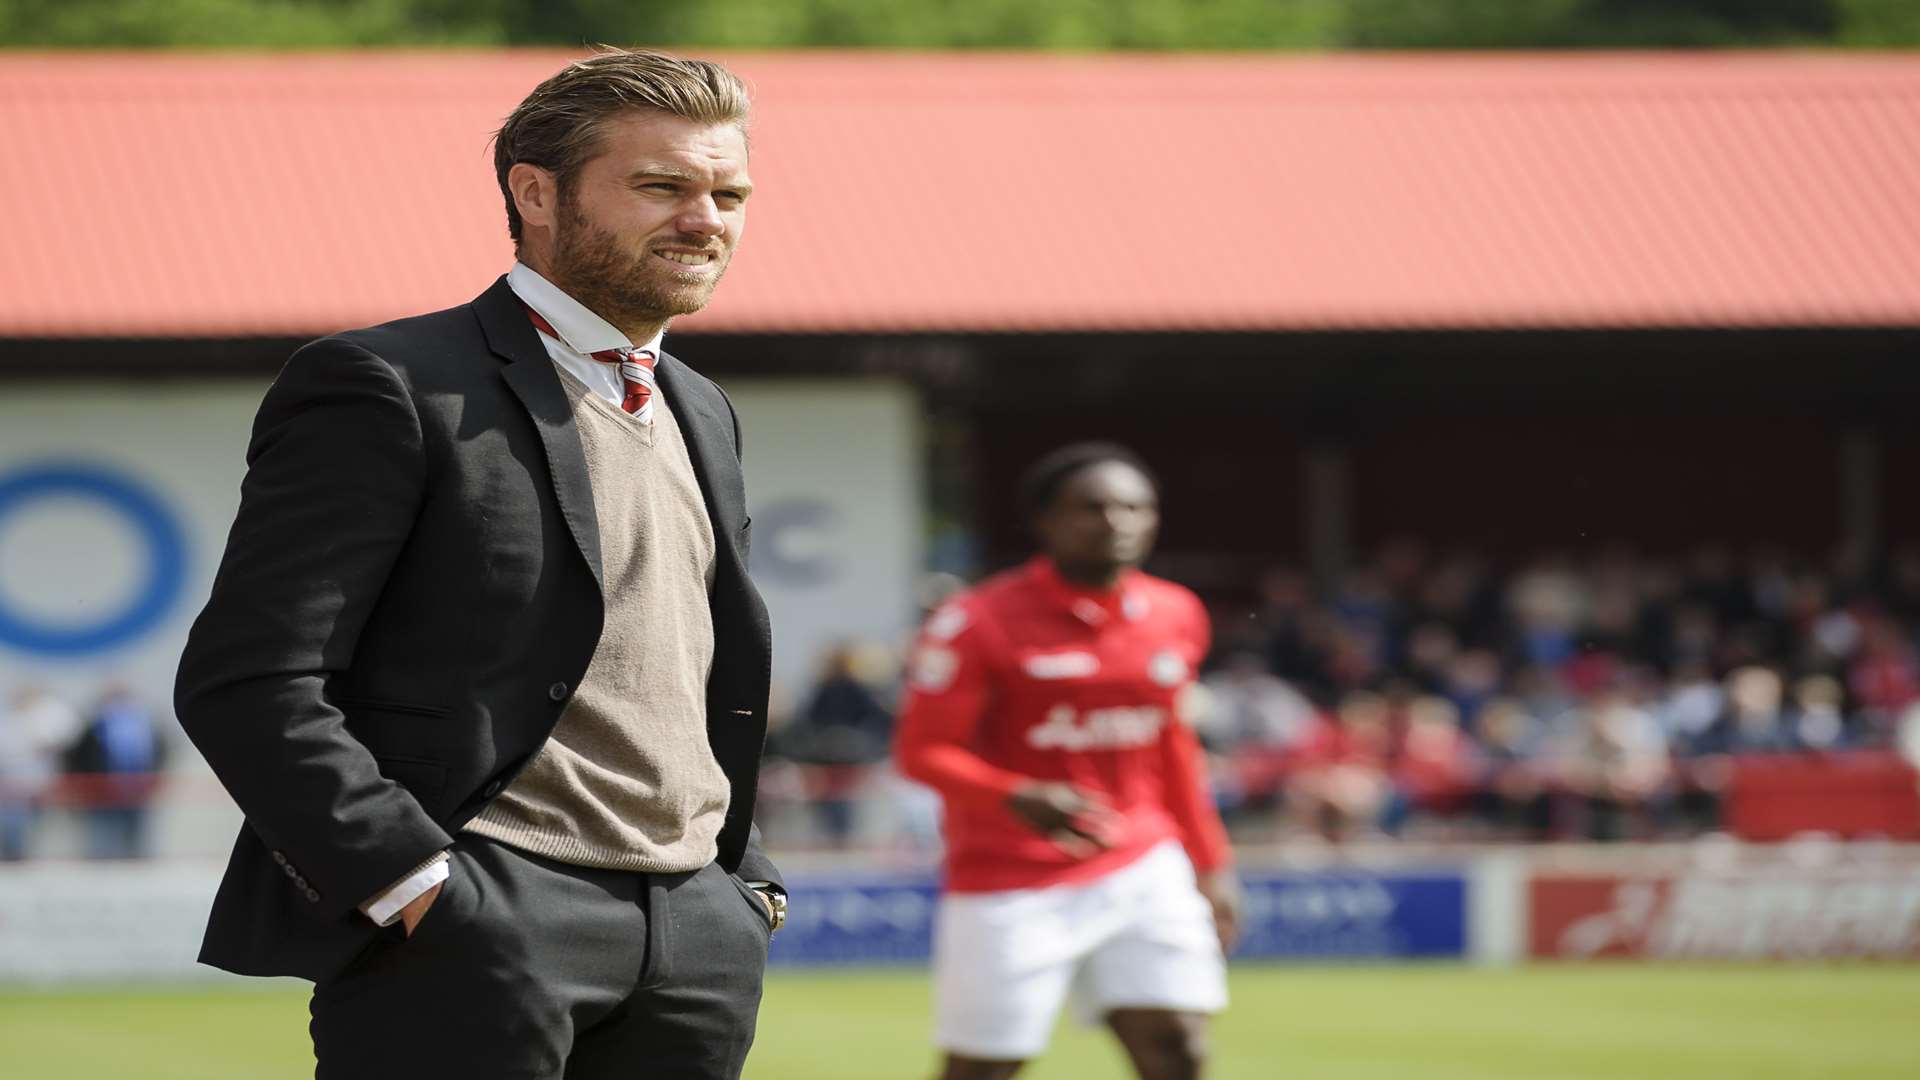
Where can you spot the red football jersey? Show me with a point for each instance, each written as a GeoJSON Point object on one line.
{"type": "Point", "coordinates": [1028, 677]}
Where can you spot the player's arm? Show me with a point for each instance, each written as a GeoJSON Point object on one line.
{"type": "Point", "coordinates": [949, 686]}
{"type": "Point", "coordinates": [336, 473]}
{"type": "Point", "coordinates": [1189, 801]}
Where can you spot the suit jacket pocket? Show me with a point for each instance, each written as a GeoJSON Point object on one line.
{"type": "Point", "coordinates": [402, 731]}
{"type": "Point", "coordinates": [351, 705]}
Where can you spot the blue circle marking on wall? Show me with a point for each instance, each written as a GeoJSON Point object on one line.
{"type": "Point", "coordinates": [160, 534]}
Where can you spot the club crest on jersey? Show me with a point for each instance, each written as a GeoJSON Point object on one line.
{"type": "Point", "coordinates": [946, 624]}
{"type": "Point", "coordinates": [932, 669]}
{"type": "Point", "coordinates": [1167, 668]}
{"type": "Point", "coordinates": [1065, 665]}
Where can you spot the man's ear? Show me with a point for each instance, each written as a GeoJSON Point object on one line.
{"type": "Point", "coordinates": [536, 194]}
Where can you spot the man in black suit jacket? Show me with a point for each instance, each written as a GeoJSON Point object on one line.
{"type": "Point", "coordinates": [482, 664]}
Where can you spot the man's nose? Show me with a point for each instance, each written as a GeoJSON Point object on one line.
{"type": "Point", "coordinates": [701, 218]}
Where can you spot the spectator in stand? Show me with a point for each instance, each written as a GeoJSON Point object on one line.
{"type": "Point", "coordinates": [1472, 680]}
{"type": "Point", "coordinates": [1365, 604]}
{"type": "Point", "coordinates": [1435, 768]}
{"type": "Point", "coordinates": [1542, 692]}
{"type": "Point", "coordinates": [1546, 602]}
{"type": "Point", "coordinates": [1818, 723]}
{"type": "Point", "coordinates": [1755, 720]}
{"type": "Point", "coordinates": [114, 770]}
{"type": "Point", "coordinates": [1884, 677]}
{"type": "Point", "coordinates": [1693, 638]}
{"type": "Point", "coordinates": [1342, 788]}
{"type": "Point", "coordinates": [1513, 796]}
{"type": "Point", "coordinates": [34, 729]}
{"type": "Point", "coordinates": [841, 732]}
{"type": "Point", "coordinates": [1297, 632]}
{"type": "Point", "coordinates": [1256, 728]}
{"type": "Point", "coordinates": [1431, 649]}
{"type": "Point", "coordinates": [1693, 703]}
{"type": "Point", "coordinates": [1458, 595]}
{"type": "Point", "coordinates": [1613, 764]}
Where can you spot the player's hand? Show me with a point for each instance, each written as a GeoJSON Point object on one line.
{"type": "Point", "coordinates": [416, 908]}
{"type": "Point", "coordinates": [1221, 887]}
{"type": "Point", "coordinates": [1079, 823]}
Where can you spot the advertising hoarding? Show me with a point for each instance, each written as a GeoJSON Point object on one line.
{"type": "Point", "coordinates": [1756, 915]}
{"type": "Point", "coordinates": [870, 918]}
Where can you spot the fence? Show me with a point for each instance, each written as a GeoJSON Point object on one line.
{"type": "Point", "coordinates": [64, 921]}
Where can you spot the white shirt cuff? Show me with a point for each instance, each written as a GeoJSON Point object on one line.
{"type": "Point", "coordinates": [384, 909]}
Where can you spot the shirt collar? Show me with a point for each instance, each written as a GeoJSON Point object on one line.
{"type": "Point", "coordinates": [1095, 607]}
{"type": "Point", "coordinates": [581, 330]}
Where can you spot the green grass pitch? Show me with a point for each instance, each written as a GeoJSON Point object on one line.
{"type": "Point", "coordinates": [1860, 1022]}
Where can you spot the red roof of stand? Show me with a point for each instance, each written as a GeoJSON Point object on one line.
{"type": "Point", "coordinates": [204, 195]}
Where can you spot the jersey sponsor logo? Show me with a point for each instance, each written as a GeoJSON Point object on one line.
{"type": "Point", "coordinates": [932, 668]}
{"type": "Point", "coordinates": [1167, 668]}
{"type": "Point", "coordinates": [1116, 728]}
{"type": "Point", "coordinates": [1066, 665]}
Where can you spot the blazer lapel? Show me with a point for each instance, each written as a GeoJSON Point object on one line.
{"type": "Point", "coordinates": [709, 438]}
{"type": "Point", "coordinates": [529, 372]}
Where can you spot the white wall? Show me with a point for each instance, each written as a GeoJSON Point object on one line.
{"type": "Point", "coordinates": [70, 561]}
{"type": "Point", "coordinates": [834, 488]}
{"type": "Point", "coordinates": [834, 483]}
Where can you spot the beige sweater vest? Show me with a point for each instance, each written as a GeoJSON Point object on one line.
{"type": "Point", "coordinates": [627, 781]}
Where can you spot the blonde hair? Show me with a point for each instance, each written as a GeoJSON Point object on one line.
{"type": "Point", "coordinates": [558, 125]}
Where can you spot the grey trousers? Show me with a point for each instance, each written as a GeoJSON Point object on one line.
{"type": "Point", "coordinates": [529, 969]}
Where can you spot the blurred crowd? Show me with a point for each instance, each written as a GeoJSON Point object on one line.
{"type": "Point", "coordinates": [1600, 698]}
{"type": "Point", "coordinates": [101, 763]}
{"type": "Point", "coordinates": [1603, 698]}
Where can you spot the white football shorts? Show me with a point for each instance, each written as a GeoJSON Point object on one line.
{"type": "Point", "coordinates": [1141, 937]}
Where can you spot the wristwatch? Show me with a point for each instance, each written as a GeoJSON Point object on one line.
{"type": "Point", "coordinates": [776, 907]}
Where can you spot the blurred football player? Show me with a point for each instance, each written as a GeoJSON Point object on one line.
{"type": "Point", "coordinates": [1084, 854]}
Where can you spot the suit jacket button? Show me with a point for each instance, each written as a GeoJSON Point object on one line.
{"type": "Point", "coordinates": [289, 870]}
{"type": "Point", "coordinates": [280, 857]}
{"type": "Point", "coordinates": [313, 896]}
{"type": "Point", "coordinates": [493, 788]}
{"type": "Point", "coordinates": [557, 692]}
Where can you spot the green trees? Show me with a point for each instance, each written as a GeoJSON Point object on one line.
{"type": "Point", "coordinates": [1005, 24]}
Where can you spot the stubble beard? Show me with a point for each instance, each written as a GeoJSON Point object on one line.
{"type": "Point", "coordinates": [627, 290]}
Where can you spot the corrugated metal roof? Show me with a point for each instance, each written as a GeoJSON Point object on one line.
{"type": "Point", "coordinates": [203, 195]}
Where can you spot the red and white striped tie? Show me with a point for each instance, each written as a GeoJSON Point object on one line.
{"type": "Point", "coordinates": [636, 370]}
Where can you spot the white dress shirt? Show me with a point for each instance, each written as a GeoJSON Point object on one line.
{"type": "Point", "coordinates": [582, 333]}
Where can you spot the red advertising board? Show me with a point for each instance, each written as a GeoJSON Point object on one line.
{"type": "Point", "coordinates": [1775, 914]}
